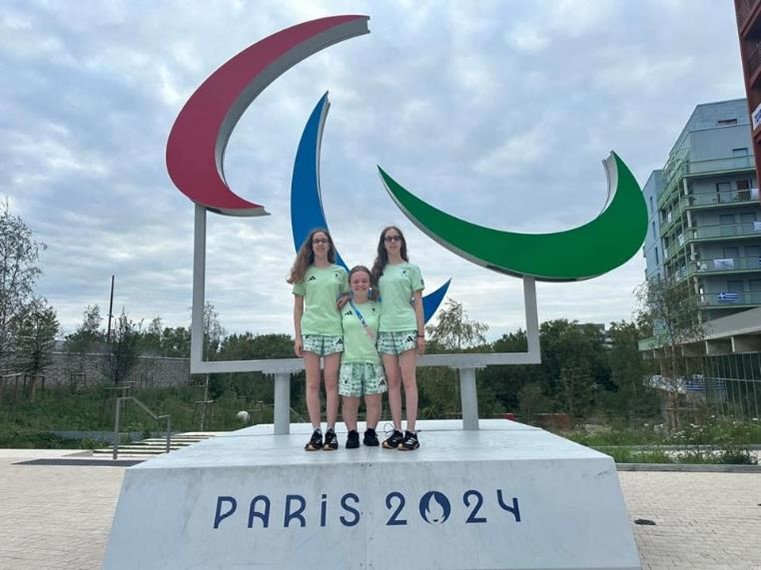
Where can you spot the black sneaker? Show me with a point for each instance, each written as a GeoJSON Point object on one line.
{"type": "Point", "coordinates": [352, 441]}
{"type": "Point", "coordinates": [370, 438]}
{"type": "Point", "coordinates": [410, 442]}
{"type": "Point", "coordinates": [315, 442]}
{"type": "Point", "coordinates": [331, 441]}
{"type": "Point", "coordinates": [393, 441]}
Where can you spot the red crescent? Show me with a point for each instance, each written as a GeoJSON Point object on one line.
{"type": "Point", "coordinates": [196, 146]}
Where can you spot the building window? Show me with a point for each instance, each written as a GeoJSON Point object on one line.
{"type": "Point", "coordinates": [731, 252]}
{"type": "Point", "coordinates": [753, 252]}
{"type": "Point", "coordinates": [754, 287]}
{"type": "Point", "coordinates": [737, 286]}
{"type": "Point", "coordinates": [740, 151]}
{"type": "Point", "coordinates": [653, 224]}
{"type": "Point", "coordinates": [748, 223]}
{"type": "Point", "coordinates": [657, 260]}
{"type": "Point", "coordinates": [727, 121]}
{"type": "Point", "coordinates": [722, 192]}
{"type": "Point", "coordinates": [652, 211]}
{"type": "Point", "coordinates": [727, 222]}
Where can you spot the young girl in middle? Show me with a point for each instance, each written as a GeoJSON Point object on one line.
{"type": "Point", "coordinates": [361, 369]}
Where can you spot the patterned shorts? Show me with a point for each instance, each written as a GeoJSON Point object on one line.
{"type": "Point", "coordinates": [322, 345]}
{"type": "Point", "coordinates": [361, 378]}
{"type": "Point", "coordinates": [396, 342]}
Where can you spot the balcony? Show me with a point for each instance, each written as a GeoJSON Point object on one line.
{"type": "Point", "coordinates": [721, 198]}
{"type": "Point", "coordinates": [725, 265]}
{"type": "Point", "coordinates": [669, 222]}
{"type": "Point", "coordinates": [744, 10]}
{"type": "Point", "coordinates": [724, 231]}
{"type": "Point", "coordinates": [754, 61]}
{"type": "Point", "coordinates": [702, 167]}
{"type": "Point", "coordinates": [730, 299]}
{"type": "Point", "coordinates": [675, 247]}
{"type": "Point", "coordinates": [681, 168]}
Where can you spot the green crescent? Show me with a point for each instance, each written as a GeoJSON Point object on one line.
{"type": "Point", "coordinates": [603, 244]}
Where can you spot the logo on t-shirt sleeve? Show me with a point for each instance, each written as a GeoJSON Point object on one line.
{"type": "Point", "coordinates": [312, 278]}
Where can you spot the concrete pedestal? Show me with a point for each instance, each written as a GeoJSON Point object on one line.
{"type": "Point", "coordinates": [505, 496]}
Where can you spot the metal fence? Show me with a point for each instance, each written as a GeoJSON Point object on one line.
{"type": "Point", "coordinates": [731, 384]}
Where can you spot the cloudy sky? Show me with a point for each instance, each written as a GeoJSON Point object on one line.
{"type": "Point", "coordinates": [499, 112]}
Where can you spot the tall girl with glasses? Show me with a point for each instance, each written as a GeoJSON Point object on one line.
{"type": "Point", "coordinates": [401, 333]}
{"type": "Point", "coordinates": [317, 284]}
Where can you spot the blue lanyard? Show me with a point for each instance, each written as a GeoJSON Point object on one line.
{"type": "Point", "coordinates": [362, 320]}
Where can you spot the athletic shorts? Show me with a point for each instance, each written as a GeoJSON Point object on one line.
{"type": "Point", "coordinates": [322, 345]}
{"type": "Point", "coordinates": [396, 342]}
{"type": "Point", "coordinates": [361, 379]}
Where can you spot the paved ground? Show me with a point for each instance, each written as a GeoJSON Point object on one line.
{"type": "Point", "coordinates": [59, 517]}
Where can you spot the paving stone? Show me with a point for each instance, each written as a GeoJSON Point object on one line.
{"type": "Point", "coordinates": [60, 516]}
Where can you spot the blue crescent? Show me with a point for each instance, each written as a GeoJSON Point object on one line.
{"type": "Point", "coordinates": [307, 212]}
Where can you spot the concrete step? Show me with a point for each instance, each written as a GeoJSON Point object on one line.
{"type": "Point", "coordinates": [156, 446]}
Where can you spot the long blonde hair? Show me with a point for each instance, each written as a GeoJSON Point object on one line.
{"type": "Point", "coordinates": [305, 256]}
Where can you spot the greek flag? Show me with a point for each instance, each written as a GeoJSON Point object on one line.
{"type": "Point", "coordinates": [729, 297]}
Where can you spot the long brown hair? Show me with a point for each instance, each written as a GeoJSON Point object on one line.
{"type": "Point", "coordinates": [305, 256]}
{"type": "Point", "coordinates": [372, 294]}
{"type": "Point", "coordinates": [381, 259]}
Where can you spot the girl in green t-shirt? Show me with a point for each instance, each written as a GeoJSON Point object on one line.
{"type": "Point", "coordinates": [401, 334]}
{"type": "Point", "coordinates": [317, 284]}
{"type": "Point", "coordinates": [361, 369]}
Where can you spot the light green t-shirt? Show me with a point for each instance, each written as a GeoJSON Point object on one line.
{"type": "Point", "coordinates": [321, 288]}
{"type": "Point", "coordinates": [397, 286]}
{"type": "Point", "coordinates": [358, 346]}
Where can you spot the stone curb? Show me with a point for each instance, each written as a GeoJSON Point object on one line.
{"type": "Point", "coordinates": [688, 468]}
{"type": "Point", "coordinates": [685, 447]}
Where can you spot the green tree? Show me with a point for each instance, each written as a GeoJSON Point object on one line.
{"type": "Point", "coordinates": [213, 332]}
{"type": "Point", "coordinates": [577, 390]}
{"type": "Point", "coordinates": [175, 342]}
{"type": "Point", "coordinates": [152, 337]}
{"type": "Point", "coordinates": [123, 350]}
{"type": "Point", "coordinates": [252, 387]}
{"type": "Point", "coordinates": [671, 310]}
{"type": "Point", "coordinates": [19, 256]}
{"type": "Point", "coordinates": [632, 397]}
{"type": "Point", "coordinates": [438, 387]}
{"type": "Point", "coordinates": [37, 330]}
{"type": "Point", "coordinates": [454, 332]}
{"type": "Point", "coordinates": [573, 369]}
{"type": "Point", "coordinates": [89, 336]}
{"type": "Point", "coordinates": [507, 382]}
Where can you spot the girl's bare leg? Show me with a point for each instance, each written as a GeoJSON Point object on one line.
{"type": "Point", "coordinates": [394, 378]}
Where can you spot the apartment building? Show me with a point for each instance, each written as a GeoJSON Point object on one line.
{"type": "Point", "coordinates": [704, 211]}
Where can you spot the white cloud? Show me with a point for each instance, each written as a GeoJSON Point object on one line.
{"type": "Point", "coordinates": [498, 112]}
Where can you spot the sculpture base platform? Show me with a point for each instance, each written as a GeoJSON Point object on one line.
{"type": "Point", "coordinates": [505, 496]}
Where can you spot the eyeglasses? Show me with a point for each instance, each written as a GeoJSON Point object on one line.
{"type": "Point", "coordinates": [319, 241]}
{"type": "Point", "coordinates": [389, 239]}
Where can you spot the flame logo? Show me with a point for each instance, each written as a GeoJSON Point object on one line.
{"type": "Point", "coordinates": [435, 507]}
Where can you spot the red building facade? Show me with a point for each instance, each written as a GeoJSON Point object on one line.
{"type": "Point", "coordinates": [749, 31]}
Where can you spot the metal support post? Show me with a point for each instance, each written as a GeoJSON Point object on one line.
{"type": "Point", "coordinates": [116, 428]}
{"type": "Point", "coordinates": [282, 403]}
{"type": "Point", "coordinates": [199, 286]}
{"type": "Point", "coordinates": [469, 398]}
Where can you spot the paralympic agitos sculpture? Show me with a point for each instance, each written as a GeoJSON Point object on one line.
{"type": "Point", "coordinates": [197, 142]}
